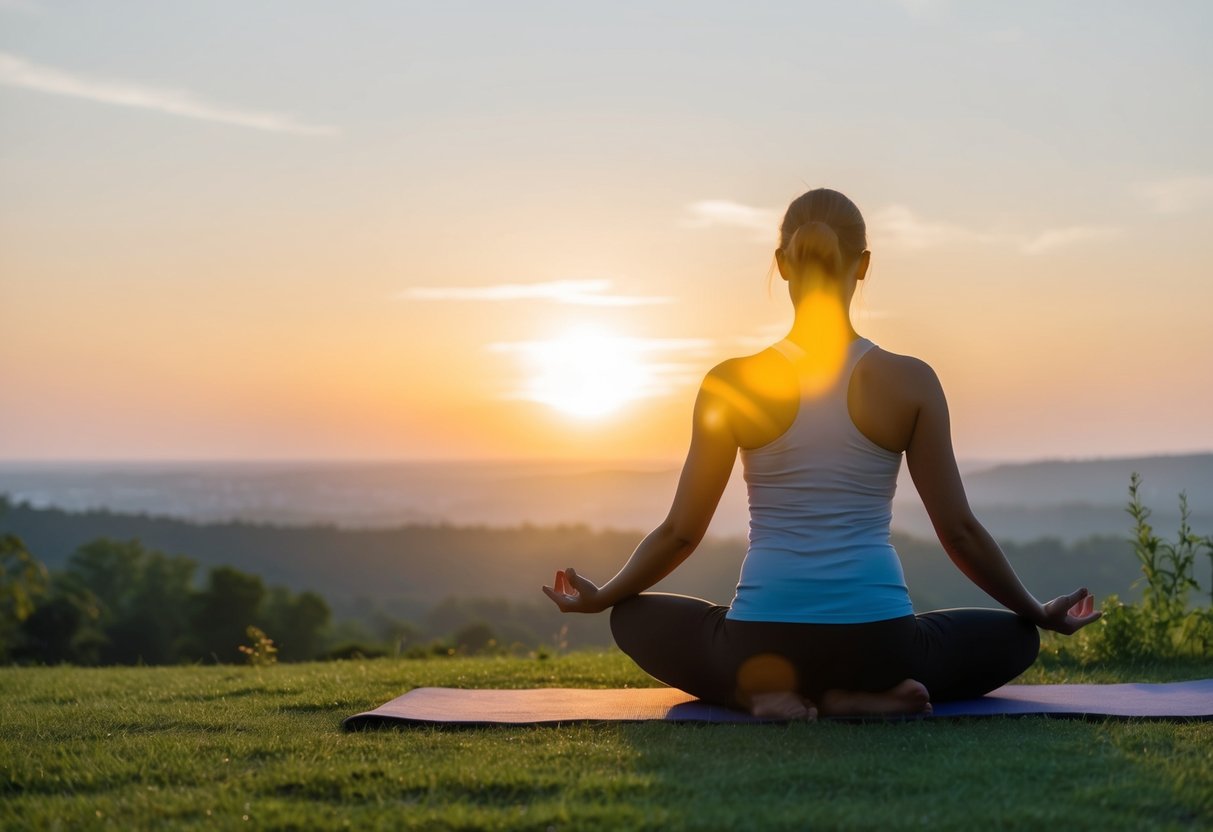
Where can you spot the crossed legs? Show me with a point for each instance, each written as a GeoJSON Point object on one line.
{"type": "Point", "coordinates": [799, 671]}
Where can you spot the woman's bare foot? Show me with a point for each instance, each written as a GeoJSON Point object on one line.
{"type": "Point", "coordinates": [907, 697]}
{"type": "Point", "coordinates": [782, 705]}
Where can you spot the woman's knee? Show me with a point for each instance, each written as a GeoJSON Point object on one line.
{"type": "Point", "coordinates": [1028, 641]}
{"type": "Point", "coordinates": [625, 624]}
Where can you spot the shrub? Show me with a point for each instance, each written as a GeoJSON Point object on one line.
{"type": "Point", "coordinates": [1163, 625]}
{"type": "Point", "coordinates": [262, 652]}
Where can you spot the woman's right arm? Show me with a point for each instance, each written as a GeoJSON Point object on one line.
{"type": "Point", "coordinates": [704, 477]}
{"type": "Point", "coordinates": [932, 464]}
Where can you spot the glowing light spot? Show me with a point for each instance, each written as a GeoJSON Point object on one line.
{"type": "Point", "coordinates": [738, 400]}
{"type": "Point", "coordinates": [824, 331]}
{"type": "Point", "coordinates": [765, 673]}
{"type": "Point", "coordinates": [586, 373]}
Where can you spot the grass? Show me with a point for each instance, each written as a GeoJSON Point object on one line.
{"type": "Point", "coordinates": [234, 747]}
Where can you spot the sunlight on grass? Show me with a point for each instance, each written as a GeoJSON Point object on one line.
{"type": "Point", "coordinates": [140, 747]}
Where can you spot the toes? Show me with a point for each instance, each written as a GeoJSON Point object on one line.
{"type": "Point", "coordinates": [785, 706]}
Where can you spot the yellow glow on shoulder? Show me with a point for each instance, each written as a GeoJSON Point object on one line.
{"type": "Point", "coordinates": [737, 400]}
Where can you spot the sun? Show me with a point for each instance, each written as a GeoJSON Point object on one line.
{"type": "Point", "coordinates": [586, 373]}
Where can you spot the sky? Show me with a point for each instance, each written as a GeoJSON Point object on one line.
{"type": "Point", "coordinates": [300, 230]}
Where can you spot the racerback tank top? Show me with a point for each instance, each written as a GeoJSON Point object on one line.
{"type": "Point", "coordinates": [821, 501]}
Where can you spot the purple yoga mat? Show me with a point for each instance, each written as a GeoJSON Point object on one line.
{"type": "Point", "coordinates": [538, 706]}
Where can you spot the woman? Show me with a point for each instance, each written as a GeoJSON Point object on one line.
{"type": "Point", "coordinates": [822, 621]}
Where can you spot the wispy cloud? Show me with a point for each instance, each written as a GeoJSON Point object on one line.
{"type": "Point", "coordinates": [710, 213]}
{"type": "Point", "coordinates": [897, 226]}
{"type": "Point", "coordinates": [1177, 194]}
{"type": "Point", "coordinates": [629, 343]}
{"type": "Point", "coordinates": [577, 292]}
{"type": "Point", "coordinates": [16, 71]}
{"type": "Point", "coordinates": [1055, 238]}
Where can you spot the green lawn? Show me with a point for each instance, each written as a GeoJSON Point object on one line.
{"type": "Point", "coordinates": [262, 748]}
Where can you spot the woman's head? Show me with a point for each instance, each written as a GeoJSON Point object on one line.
{"type": "Point", "coordinates": [822, 231]}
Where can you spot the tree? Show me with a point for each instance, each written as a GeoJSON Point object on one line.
{"type": "Point", "coordinates": [23, 580]}
{"type": "Point", "coordinates": [64, 627]}
{"type": "Point", "coordinates": [297, 623]}
{"type": "Point", "coordinates": [143, 596]}
{"type": "Point", "coordinates": [222, 613]}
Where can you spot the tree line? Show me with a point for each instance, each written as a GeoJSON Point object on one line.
{"type": "Point", "coordinates": [118, 602]}
{"type": "Point", "coordinates": [414, 590]}
{"type": "Point", "coordinates": [122, 603]}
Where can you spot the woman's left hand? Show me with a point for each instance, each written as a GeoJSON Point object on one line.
{"type": "Point", "coordinates": [1070, 613]}
{"type": "Point", "coordinates": [573, 593]}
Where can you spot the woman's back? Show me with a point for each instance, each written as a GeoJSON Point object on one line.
{"type": "Point", "coordinates": [763, 392]}
{"type": "Point", "coordinates": [820, 497]}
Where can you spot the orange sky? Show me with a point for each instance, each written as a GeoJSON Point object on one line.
{"type": "Point", "coordinates": [267, 258]}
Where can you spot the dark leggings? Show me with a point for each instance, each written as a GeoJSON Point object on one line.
{"type": "Point", "coordinates": [688, 643]}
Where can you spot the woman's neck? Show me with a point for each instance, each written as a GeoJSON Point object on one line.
{"type": "Point", "coordinates": [822, 323]}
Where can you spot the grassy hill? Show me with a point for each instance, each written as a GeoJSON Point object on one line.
{"type": "Point", "coordinates": [235, 747]}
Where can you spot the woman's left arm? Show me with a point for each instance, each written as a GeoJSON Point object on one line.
{"type": "Point", "coordinates": [704, 476]}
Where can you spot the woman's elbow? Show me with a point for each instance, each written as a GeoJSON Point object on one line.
{"type": "Point", "coordinates": [958, 533]}
{"type": "Point", "coordinates": [681, 535]}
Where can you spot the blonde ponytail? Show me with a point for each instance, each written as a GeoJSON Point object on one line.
{"type": "Point", "coordinates": [815, 244]}
{"type": "Point", "coordinates": [823, 229]}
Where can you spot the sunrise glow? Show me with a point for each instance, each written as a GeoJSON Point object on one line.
{"type": "Point", "coordinates": [586, 373]}
{"type": "Point", "coordinates": [533, 230]}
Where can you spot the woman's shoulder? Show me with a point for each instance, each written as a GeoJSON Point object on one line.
{"type": "Point", "coordinates": [904, 377]}
{"type": "Point", "coordinates": [887, 393]}
{"type": "Point", "coordinates": [895, 366]}
{"type": "Point", "coordinates": [761, 374]}
{"type": "Point", "coordinates": [757, 393]}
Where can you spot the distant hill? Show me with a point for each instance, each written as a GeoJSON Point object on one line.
{"type": "Point", "coordinates": [1095, 482]}
{"type": "Point", "coordinates": [1069, 499]}
{"type": "Point", "coordinates": [1073, 499]}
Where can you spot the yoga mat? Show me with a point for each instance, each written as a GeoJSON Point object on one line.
{"type": "Point", "coordinates": [541, 706]}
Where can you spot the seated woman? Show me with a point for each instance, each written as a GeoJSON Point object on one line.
{"type": "Point", "coordinates": [822, 622]}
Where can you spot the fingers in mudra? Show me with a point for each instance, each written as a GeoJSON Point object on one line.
{"type": "Point", "coordinates": [1085, 606]}
{"type": "Point", "coordinates": [573, 581]}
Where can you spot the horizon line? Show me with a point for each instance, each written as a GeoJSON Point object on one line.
{"type": "Point", "coordinates": [505, 460]}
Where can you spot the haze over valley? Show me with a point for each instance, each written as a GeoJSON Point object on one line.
{"type": "Point", "coordinates": [1069, 500]}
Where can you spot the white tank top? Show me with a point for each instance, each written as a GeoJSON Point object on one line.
{"type": "Point", "coordinates": [821, 501]}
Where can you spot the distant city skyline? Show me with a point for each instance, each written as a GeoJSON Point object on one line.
{"type": "Point", "coordinates": [526, 231]}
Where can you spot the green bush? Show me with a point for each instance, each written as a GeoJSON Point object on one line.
{"type": "Point", "coordinates": [1164, 625]}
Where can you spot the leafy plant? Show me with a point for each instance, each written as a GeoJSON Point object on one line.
{"type": "Point", "coordinates": [23, 581]}
{"type": "Point", "coordinates": [1162, 625]}
{"type": "Point", "coordinates": [262, 652]}
{"type": "Point", "coordinates": [23, 578]}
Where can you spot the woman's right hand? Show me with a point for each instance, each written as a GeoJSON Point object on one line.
{"type": "Point", "coordinates": [573, 593]}
{"type": "Point", "coordinates": [1069, 613]}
